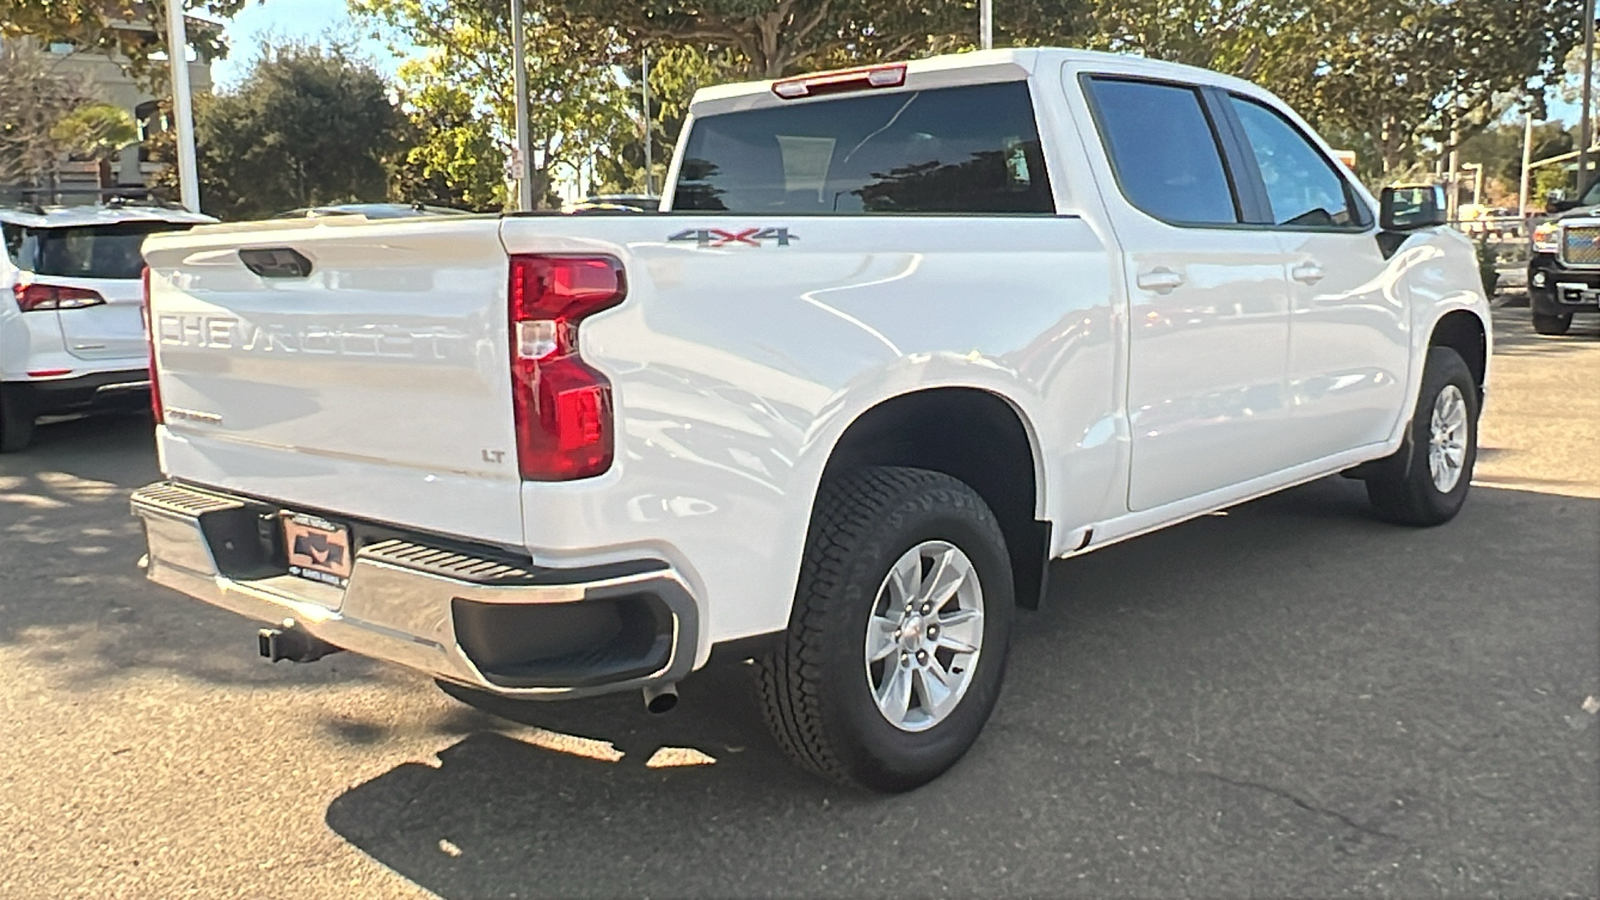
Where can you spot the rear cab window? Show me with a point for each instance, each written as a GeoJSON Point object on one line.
{"type": "Point", "coordinates": [82, 251]}
{"type": "Point", "coordinates": [970, 150]}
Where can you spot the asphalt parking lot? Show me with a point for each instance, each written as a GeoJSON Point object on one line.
{"type": "Point", "coordinates": [1288, 700]}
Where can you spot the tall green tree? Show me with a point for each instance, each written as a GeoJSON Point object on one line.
{"type": "Point", "coordinates": [575, 97]}
{"type": "Point", "coordinates": [1233, 36]}
{"type": "Point", "coordinates": [101, 25]}
{"type": "Point", "coordinates": [774, 38]}
{"type": "Point", "coordinates": [1393, 79]}
{"type": "Point", "coordinates": [676, 72]}
{"type": "Point", "coordinates": [34, 96]}
{"type": "Point", "coordinates": [308, 125]}
{"type": "Point", "coordinates": [51, 115]}
{"type": "Point", "coordinates": [1417, 74]}
{"type": "Point", "coordinates": [457, 156]}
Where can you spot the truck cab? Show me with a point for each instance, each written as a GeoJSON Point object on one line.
{"type": "Point", "coordinates": [1564, 270]}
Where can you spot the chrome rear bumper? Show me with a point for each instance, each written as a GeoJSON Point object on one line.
{"type": "Point", "coordinates": [484, 623]}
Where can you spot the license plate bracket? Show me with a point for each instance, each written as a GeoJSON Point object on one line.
{"type": "Point", "coordinates": [318, 550]}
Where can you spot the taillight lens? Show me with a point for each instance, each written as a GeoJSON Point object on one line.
{"type": "Point", "coordinates": [33, 297]}
{"type": "Point", "coordinates": [562, 405]}
{"type": "Point", "coordinates": [150, 341]}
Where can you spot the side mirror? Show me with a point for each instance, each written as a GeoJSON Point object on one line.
{"type": "Point", "coordinates": [1408, 208]}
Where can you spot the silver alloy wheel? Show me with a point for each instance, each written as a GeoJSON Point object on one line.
{"type": "Point", "coordinates": [1447, 438]}
{"type": "Point", "coordinates": [924, 635]}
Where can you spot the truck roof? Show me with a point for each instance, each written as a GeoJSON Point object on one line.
{"type": "Point", "coordinates": [964, 68]}
{"type": "Point", "coordinates": [87, 215]}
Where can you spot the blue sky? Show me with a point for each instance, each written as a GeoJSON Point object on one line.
{"type": "Point", "coordinates": [280, 19]}
{"type": "Point", "coordinates": [312, 19]}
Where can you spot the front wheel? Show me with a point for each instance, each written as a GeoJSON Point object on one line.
{"type": "Point", "coordinates": [897, 642]}
{"type": "Point", "coordinates": [1556, 325]}
{"type": "Point", "coordinates": [1429, 487]}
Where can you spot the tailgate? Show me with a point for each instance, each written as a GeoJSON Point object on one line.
{"type": "Point", "coordinates": [376, 386]}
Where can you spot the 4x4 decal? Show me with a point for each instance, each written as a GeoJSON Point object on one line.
{"type": "Point", "coordinates": [716, 237]}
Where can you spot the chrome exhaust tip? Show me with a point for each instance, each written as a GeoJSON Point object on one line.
{"type": "Point", "coordinates": [661, 699]}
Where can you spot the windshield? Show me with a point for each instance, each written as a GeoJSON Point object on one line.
{"type": "Point", "coordinates": [972, 149]}
{"type": "Point", "coordinates": [85, 251]}
{"type": "Point", "coordinates": [1592, 196]}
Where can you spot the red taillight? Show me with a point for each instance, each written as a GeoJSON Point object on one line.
{"type": "Point", "coordinates": [31, 297]}
{"type": "Point", "coordinates": [150, 341]}
{"type": "Point", "coordinates": [562, 406]}
{"type": "Point", "coordinates": [891, 75]}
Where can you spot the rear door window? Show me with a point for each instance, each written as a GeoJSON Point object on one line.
{"type": "Point", "coordinates": [1164, 151]}
{"type": "Point", "coordinates": [971, 149]}
{"type": "Point", "coordinates": [85, 251]}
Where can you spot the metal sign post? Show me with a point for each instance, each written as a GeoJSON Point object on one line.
{"type": "Point", "coordinates": [1586, 110]}
{"type": "Point", "coordinates": [1527, 157]}
{"type": "Point", "coordinates": [519, 83]}
{"type": "Point", "coordinates": [986, 24]}
{"type": "Point", "coordinates": [649, 175]}
{"type": "Point", "coordinates": [182, 105]}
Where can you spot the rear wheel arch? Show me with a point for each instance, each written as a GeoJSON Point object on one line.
{"type": "Point", "coordinates": [976, 436]}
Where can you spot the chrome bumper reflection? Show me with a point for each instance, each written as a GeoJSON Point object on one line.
{"type": "Point", "coordinates": [390, 610]}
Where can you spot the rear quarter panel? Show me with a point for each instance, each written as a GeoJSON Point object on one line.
{"type": "Point", "coordinates": [737, 368]}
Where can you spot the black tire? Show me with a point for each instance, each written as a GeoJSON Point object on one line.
{"type": "Point", "coordinates": [16, 423]}
{"type": "Point", "coordinates": [813, 687]}
{"type": "Point", "coordinates": [1556, 325]}
{"type": "Point", "coordinates": [1404, 492]}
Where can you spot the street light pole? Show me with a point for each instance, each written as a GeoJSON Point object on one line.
{"type": "Point", "coordinates": [182, 105]}
{"type": "Point", "coordinates": [519, 83]}
{"type": "Point", "coordinates": [1586, 111]}
{"type": "Point", "coordinates": [649, 176]}
{"type": "Point", "coordinates": [1527, 157]}
{"type": "Point", "coordinates": [986, 24]}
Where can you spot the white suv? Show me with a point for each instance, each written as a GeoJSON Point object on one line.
{"type": "Point", "coordinates": [71, 327]}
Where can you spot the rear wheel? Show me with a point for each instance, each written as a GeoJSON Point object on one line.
{"type": "Point", "coordinates": [1430, 486]}
{"type": "Point", "coordinates": [1552, 324]}
{"type": "Point", "coordinates": [897, 643]}
{"type": "Point", "coordinates": [16, 422]}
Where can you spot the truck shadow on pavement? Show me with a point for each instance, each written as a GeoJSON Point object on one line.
{"type": "Point", "coordinates": [71, 594]}
{"type": "Point", "coordinates": [1288, 699]}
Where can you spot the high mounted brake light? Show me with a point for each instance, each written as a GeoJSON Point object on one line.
{"type": "Point", "coordinates": [31, 297]}
{"type": "Point", "coordinates": [842, 81]}
{"type": "Point", "coordinates": [562, 405]}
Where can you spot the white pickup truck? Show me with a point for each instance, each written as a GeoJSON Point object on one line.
{"type": "Point", "coordinates": [898, 337]}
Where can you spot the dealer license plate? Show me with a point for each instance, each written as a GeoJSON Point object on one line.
{"type": "Point", "coordinates": [318, 549]}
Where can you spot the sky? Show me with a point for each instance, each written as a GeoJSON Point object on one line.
{"type": "Point", "coordinates": [287, 19]}
{"type": "Point", "coordinates": [311, 19]}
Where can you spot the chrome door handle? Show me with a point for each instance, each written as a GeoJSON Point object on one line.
{"type": "Point", "coordinates": [1160, 279]}
{"type": "Point", "coordinates": [1306, 273]}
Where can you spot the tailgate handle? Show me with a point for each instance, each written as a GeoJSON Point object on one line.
{"type": "Point", "coordinates": [276, 262]}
